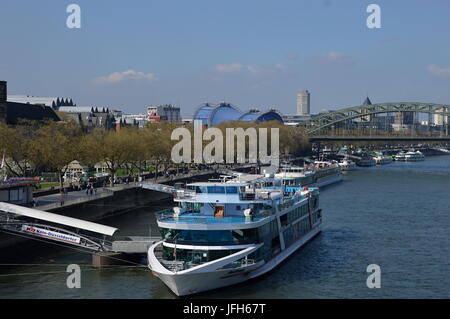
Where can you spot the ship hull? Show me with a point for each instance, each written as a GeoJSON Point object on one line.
{"type": "Point", "coordinates": [183, 284]}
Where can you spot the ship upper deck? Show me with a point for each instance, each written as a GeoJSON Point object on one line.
{"type": "Point", "coordinates": [167, 219]}
{"type": "Point", "coordinates": [232, 214]}
{"type": "Point", "coordinates": [243, 189]}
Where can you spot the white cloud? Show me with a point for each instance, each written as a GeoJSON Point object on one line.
{"type": "Point", "coordinates": [335, 57]}
{"type": "Point", "coordinates": [437, 70]}
{"type": "Point", "coordinates": [237, 67]}
{"type": "Point", "coordinates": [234, 67]}
{"type": "Point", "coordinates": [117, 77]}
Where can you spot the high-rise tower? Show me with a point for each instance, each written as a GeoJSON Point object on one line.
{"type": "Point", "coordinates": [303, 103]}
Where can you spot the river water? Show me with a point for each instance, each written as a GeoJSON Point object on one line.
{"type": "Point", "coordinates": [396, 216]}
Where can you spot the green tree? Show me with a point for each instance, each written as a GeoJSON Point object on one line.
{"type": "Point", "coordinates": [55, 145]}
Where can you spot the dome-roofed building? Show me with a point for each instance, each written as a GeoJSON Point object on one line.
{"type": "Point", "coordinates": [203, 113]}
{"type": "Point", "coordinates": [255, 115]}
{"type": "Point", "coordinates": [224, 112]}
{"type": "Point", "coordinates": [213, 115]}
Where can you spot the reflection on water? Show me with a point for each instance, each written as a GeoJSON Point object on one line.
{"type": "Point", "coordinates": [396, 216]}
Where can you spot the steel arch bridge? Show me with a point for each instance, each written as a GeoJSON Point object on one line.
{"type": "Point", "coordinates": [326, 120]}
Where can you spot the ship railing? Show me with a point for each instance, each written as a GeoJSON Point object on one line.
{"type": "Point", "coordinates": [239, 263]}
{"type": "Point", "coordinates": [169, 215]}
{"type": "Point", "coordinates": [255, 194]}
{"type": "Point", "coordinates": [174, 265]}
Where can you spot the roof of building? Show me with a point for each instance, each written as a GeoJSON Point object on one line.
{"type": "Point", "coordinates": [257, 116]}
{"type": "Point", "coordinates": [213, 115]}
{"type": "Point", "coordinates": [203, 113]}
{"type": "Point", "coordinates": [367, 101]}
{"type": "Point", "coordinates": [224, 112]}
{"type": "Point", "coordinates": [76, 109]}
{"type": "Point", "coordinates": [80, 109]}
{"type": "Point", "coordinates": [46, 100]}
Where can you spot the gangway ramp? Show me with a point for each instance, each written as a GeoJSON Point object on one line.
{"type": "Point", "coordinates": [159, 187]}
{"type": "Point", "coordinates": [35, 223]}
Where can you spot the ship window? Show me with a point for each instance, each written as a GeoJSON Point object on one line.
{"type": "Point", "coordinates": [216, 190]}
{"type": "Point", "coordinates": [200, 189]}
{"type": "Point", "coordinates": [231, 189]}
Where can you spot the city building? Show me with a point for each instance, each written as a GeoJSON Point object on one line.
{"type": "Point", "coordinates": [212, 115]}
{"type": "Point", "coordinates": [367, 118]}
{"type": "Point", "coordinates": [3, 100]}
{"type": "Point", "coordinates": [404, 121]}
{"type": "Point", "coordinates": [13, 112]}
{"type": "Point", "coordinates": [90, 117]}
{"type": "Point", "coordinates": [17, 112]}
{"type": "Point", "coordinates": [303, 103]}
{"type": "Point", "coordinates": [295, 119]}
{"type": "Point", "coordinates": [53, 102]}
{"type": "Point", "coordinates": [254, 115]}
{"type": "Point", "coordinates": [440, 120]}
{"type": "Point", "coordinates": [19, 191]}
{"type": "Point", "coordinates": [139, 120]}
{"type": "Point", "coordinates": [166, 112]}
{"type": "Point", "coordinates": [187, 119]}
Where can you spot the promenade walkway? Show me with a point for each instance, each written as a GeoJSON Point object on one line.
{"type": "Point", "coordinates": [48, 202]}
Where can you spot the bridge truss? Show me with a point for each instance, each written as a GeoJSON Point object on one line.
{"type": "Point", "coordinates": [327, 120]}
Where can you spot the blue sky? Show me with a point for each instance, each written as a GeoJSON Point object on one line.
{"type": "Point", "coordinates": [131, 54]}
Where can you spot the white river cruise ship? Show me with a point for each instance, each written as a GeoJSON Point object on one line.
{"type": "Point", "coordinates": [224, 233]}
{"type": "Point", "coordinates": [320, 174]}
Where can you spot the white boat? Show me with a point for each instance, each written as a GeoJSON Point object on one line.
{"type": "Point", "coordinates": [327, 173]}
{"type": "Point", "coordinates": [229, 232]}
{"type": "Point", "coordinates": [297, 176]}
{"type": "Point", "coordinates": [319, 174]}
{"type": "Point", "coordinates": [382, 160]}
{"type": "Point", "coordinates": [400, 156]}
{"type": "Point", "coordinates": [347, 165]}
{"type": "Point", "coordinates": [366, 161]}
{"type": "Point", "coordinates": [412, 156]}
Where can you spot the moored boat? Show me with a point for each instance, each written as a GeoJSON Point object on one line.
{"type": "Point", "coordinates": [400, 156]}
{"type": "Point", "coordinates": [228, 232]}
{"type": "Point", "coordinates": [381, 159]}
{"type": "Point", "coordinates": [347, 164]}
{"type": "Point", "coordinates": [366, 161]}
{"type": "Point", "coordinates": [414, 156]}
{"type": "Point", "coordinates": [327, 173]}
